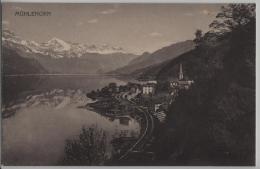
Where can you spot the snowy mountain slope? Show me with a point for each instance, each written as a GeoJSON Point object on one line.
{"type": "Point", "coordinates": [56, 47]}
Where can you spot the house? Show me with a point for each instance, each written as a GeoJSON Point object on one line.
{"type": "Point", "coordinates": [152, 81]}
{"type": "Point", "coordinates": [142, 82]}
{"type": "Point", "coordinates": [157, 106]}
{"type": "Point", "coordinates": [185, 84]}
{"type": "Point", "coordinates": [174, 84]}
{"type": "Point", "coordinates": [159, 112]}
{"type": "Point", "coordinates": [148, 89]}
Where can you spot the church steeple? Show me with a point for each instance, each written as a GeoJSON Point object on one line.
{"type": "Point", "coordinates": [181, 72]}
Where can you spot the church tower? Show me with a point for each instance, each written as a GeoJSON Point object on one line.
{"type": "Point", "coordinates": [181, 72]}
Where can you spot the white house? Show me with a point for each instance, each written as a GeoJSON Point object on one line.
{"type": "Point", "coordinates": [148, 89]}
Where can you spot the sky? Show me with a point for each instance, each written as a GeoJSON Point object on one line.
{"type": "Point", "coordinates": [135, 27]}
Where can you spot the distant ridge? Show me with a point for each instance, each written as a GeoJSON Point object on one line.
{"type": "Point", "coordinates": [159, 56]}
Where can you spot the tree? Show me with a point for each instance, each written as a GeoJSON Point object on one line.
{"type": "Point", "coordinates": [233, 16]}
{"type": "Point", "coordinates": [198, 37]}
{"type": "Point", "coordinates": [88, 149]}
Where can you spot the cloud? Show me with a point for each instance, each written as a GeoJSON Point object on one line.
{"type": "Point", "coordinates": [17, 8]}
{"type": "Point", "coordinates": [207, 12]}
{"type": "Point", "coordinates": [113, 9]}
{"type": "Point", "coordinates": [188, 14]}
{"type": "Point", "coordinates": [93, 21]}
{"type": "Point", "coordinates": [108, 11]}
{"type": "Point", "coordinates": [155, 34]}
{"type": "Point", "coordinates": [79, 23]}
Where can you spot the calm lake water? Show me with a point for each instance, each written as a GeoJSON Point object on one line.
{"type": "Point", "coordinates": [47, 112]}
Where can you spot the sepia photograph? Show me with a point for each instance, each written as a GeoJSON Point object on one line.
{"type": "Point", "coordinates": [128, 84]}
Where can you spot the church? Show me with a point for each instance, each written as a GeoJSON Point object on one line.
{"type": "Point", "coordinates": [181, 83]}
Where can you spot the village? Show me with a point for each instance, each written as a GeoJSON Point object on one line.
{"type": "Point", "coordinates": [146, 101]}
{"type": "Point", "coordinates": [113, 100]}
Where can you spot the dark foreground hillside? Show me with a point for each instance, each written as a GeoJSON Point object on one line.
{"type": "Point", "coordinates": [213, 123]}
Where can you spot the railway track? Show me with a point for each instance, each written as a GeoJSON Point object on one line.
{"type": "Point", "coordinates": [145, 136]}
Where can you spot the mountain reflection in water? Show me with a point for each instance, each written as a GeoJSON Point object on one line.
{"type": "Point", "coordinates": [35, 134]}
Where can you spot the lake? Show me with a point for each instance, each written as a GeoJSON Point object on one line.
{"type": "Point", "coordinates": [46, 111]}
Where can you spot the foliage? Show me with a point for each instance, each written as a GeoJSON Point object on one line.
{"type": "Point", "coordinates": [88, 149]}
{"type": "Point", "coordinates": [233, 16]}
{"type": "Point", "coordinates": [198, 37]}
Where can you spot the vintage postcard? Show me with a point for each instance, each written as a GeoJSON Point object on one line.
{"type": "Point", "coordinates": [137, 84]}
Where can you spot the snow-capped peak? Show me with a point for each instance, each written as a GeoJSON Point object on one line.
{"type": "Point", "coordinates": [58, 44]}
{"type": "Point", "coordinates": [35, 43]}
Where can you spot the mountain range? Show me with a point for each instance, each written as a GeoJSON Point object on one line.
{"type": "Point", "coordinates": [59, 56]}
{"type": "Point", "coordinates": [56, 47]}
